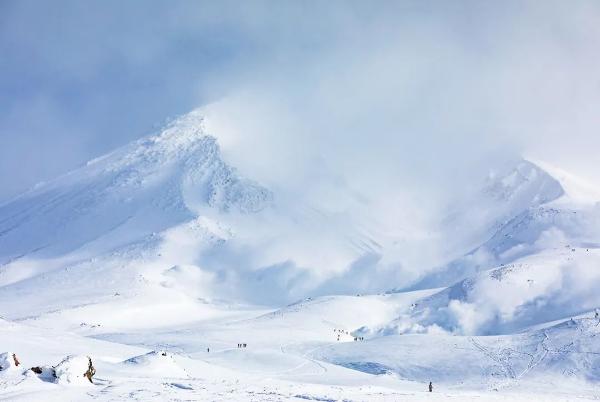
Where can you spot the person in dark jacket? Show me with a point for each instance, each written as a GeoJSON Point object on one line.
{"type": "Point", "coordinates": [430, 387]}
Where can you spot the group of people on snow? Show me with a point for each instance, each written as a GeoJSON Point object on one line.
{"type": "Point", "coordinates": [342, 332]}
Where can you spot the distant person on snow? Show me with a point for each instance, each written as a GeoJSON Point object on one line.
{"type": "Point", "coordinates": [430, 387]}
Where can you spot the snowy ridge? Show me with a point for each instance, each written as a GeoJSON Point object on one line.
{"type": "Point", "coordinates": [527, 210]}
{"type": "Point", "coordinates": [145, 187]}
{"type": "Point", "coordinates": [525, 185]}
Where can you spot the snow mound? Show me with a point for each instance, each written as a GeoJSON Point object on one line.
{"type": "Point", "coordinates": [157, 364]}
{"type": "Point", "coordinates": [44, 373]}
{"type": "Point", "coordinates": [72, 370]}
{"type": "Point", "coordinates": [8, 361]}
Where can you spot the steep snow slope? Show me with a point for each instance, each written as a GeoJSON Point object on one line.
{"type": "Point", "coordinates": [167, 210]}
{"type": "Point", "coordinates": [124, 231]}
{"type": "Point", "coordinates": [539, 265]}
{"type": "Point", "coordinates": [518, 213]}
{"type": "Point", "coordinates": [503, 194]}
{"type": "Point", "coordinates": [148, 186]}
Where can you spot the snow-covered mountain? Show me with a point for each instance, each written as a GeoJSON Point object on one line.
{"type": "Point", "coordinates": [124, 223]}
{"type": "Point", "coordinates": [537, 259]}
{"type": "Point", "coordinates": [519, 212]}
{"type": "Point", "coordinates": [167, 210]}
{"type": "Point", "coordinates": [150, 185]}
{"type": "Point", "coordinates": [153, 256]}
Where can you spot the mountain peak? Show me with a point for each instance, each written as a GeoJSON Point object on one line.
{"type": "Point", "coordinates": [179, 139]}
{"type": "Point", "coordinates": [147, 186]}
{"type": "Point", "coordinates": [575, 188]}
{"type": "Point", "coordinates": [525, 183]}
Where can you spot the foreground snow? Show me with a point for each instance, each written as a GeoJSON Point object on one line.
{"type": "Point", "coordinates": [293, 354]}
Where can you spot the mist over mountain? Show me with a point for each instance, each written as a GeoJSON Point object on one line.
{"type": "Point", "coordinates": [283, 201]}
{"type": "Point", "coordinates": [163, 235]}
{"type": "Point", "coordinates": [173, 191]}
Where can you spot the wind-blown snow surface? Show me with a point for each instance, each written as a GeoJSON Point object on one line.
{"type": "Point", "coordinates": [151, 261]}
